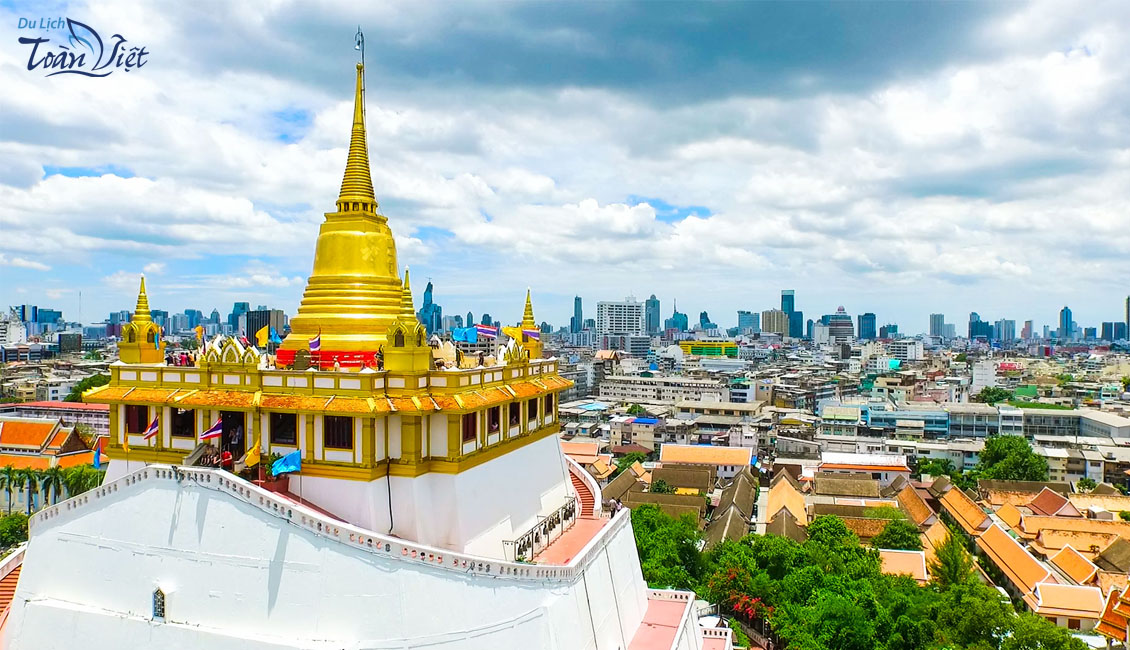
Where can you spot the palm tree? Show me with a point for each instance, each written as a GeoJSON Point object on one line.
{"type": "Point", "coordinates": [81, 478]}
{"type": "Point", "coordinates": [29, 480]}
{"type": "Point", "coordinates": [52, 481]}
{"type": "Point", "coordinates": [952, 564]}
{"type": "Point", "coordinates": [9, 483]}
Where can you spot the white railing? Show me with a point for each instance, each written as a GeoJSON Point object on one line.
{"type": "Point", "coordinates": [346, 534]}
{"type": "Point", "coordinates": [590, 482]}
{"type": "Point", "coordinates": [686, 597]}
{"type": "Point", "coordinates": [12, 560]}
{"type": "Point", "coordinates": [546, 531]}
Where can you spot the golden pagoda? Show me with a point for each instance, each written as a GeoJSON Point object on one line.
{"type": "Point", "coordinates": [393, 434]}
{"type": "Point", "coordinates": [141, 337]}
{"type": "Point", "coordinates": [353, 293]}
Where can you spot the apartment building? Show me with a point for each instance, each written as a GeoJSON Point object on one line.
{"type": "Point", "coordinates": [669, 389]}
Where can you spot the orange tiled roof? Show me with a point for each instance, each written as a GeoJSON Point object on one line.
{"type": "Point", "coordinates": [784, 495]}
{"type": "Point", "coordinates": [967, 514]}
{"type": "Point", "coordinates": [217, 398]}
{"type": "Point", "coordinates": [1066, 600]}
{"type": "Point", "coordinates": [1087, 544]}
{"type": "Point", "coordinates": [403, 404]}
{"type": "Point", "coordinates": [1052, 503]}
{"type": "Point", "coordinates": [349, 405]}
{"type": "Point", "coordinates": [1074, 566]}
{"type": "Point", "coordinates": [932, 538]}
{"type": "Point", "coordinates": [705, 455]}
{"type": "Point", "coordinates": [1112, 624]}
{"type": "Point", "coordinates": [865, 527]}
{"type": "Point", "coordinates": [585, 449]}
{"type": "Point", "coordinates": [1010, 557]}
{"type": "Point", "coordinates": [1109, 581]}
{"type": "Point", "coordinates": [59, 438]}
{"type": "Point", "coordinates": [78, 458]}
{"type": "Point", "coordinates": [291, 402]}
{"type": "Point", "coordinates": [1036, 523]}
{"type": "Point", "coordinates": [21, 461]}
{"type": "Point", "coordinates": [919, 512]}
{"type": "Point", "coordinates": [525, 389]}
{"type": "Point", "coordinates": [912, 563]}
{"type": "Point", "coordinates": [1010, 515]}
{"type": "Point", "coordinates": [26, 433]}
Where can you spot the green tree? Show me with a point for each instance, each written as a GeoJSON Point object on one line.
{"type": "Point", "coordinates": [1031, 632]}
{"type": "Point", "coordinates": [29, 481]}
{"type": "Point", "coordinates": [668, 548]}
{"type": "Point", "coordinates": [636, 409]}
{"type": "Point", "coordinates": [961, 357]}
{"type": "Point", "coordinates": [659, 486]}
{"type": "Point", "coordinates": [1010, 458]}
{"type": "Point", "coordinates": [9, 481]}
{"type": "Point", "coordinates": [1085, 484]}
{"type": "Point", "coordinates": [52, 481]}
{"type": "Point", "coordinates": [1124, 515]}
{"type": "Point", "coordinates": [934, 467]}
{"type": "Point", "coordinates": [82, 478]}
{"type": "Point", "coordinates": [13, 530]}
{"type": "Point", "coordinates": [952, 564]}
{"type": "Point", "coordinates": [86, 384]}
{"type": "Point", "coordinates": [971, 615]}
{"type": "Point", "coordinates": [1125, 383]}
{"type": "Point", "coordinates": [884, 512]}
{"type": "Point", "coordinates": [899, 534]}
{"type": "Point", "coordinates": [992, 395]}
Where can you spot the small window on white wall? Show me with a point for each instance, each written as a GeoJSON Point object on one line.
{"type": "Point", "coordinates": [158, 604]}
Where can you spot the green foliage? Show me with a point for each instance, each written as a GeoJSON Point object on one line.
{"type": "Point", "coordinates": [659, 486]}
{"type": "Point", "coordinates": [1031, 632]}
{"type": "Point", "coordinates": [668, 548]}
{"type": "Point", "coordinates": [899, 534]}
{"type": "Point", "coordinates": [9, 482]}
{"type": "Point", "coordinates": [1063, 378]}
{"type": "Point", "coordinates": [1085, 484]}
{"type": "Point", "coordinates": [740, 637]}
{"type": "Point", "coordinates": [627, 460]}
{"type": "Point", "coordinates": [972, 615]}
{"type": "Point", "coordinates": [961, 357]}
{"type": "Point", "coordinates": [1124, 515]}
{"type": "Point", "coordinates": [1010, 458]}
{"type": "Point", "coordinates": [1039, 405]}
{"type": "Point", "coordinates": [13, 530]}
{"type": "Point", "coordinates": [934, 467]}
{"type": "Point", "coordinates": [636, 409]}
{"type": "Point", "coordinates": [884, 512]}
{"type": "Point", "coordinates": [952, 564]}
{"type": "Point", "coordinates": [992, 395]}
{"type": "Point", "coordinates": [86, 384]}
{"type": "Point", "coordinates": [1125, 381]}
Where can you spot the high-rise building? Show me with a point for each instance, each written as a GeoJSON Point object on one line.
{"type": "Point", "coordinates": [1066, 325]}
{"type": "Point", "coordinates": [866, 326]}
{"type": "Point", "coordinates": [1089, 334]}
{"type": "Point", "coordinates": [1005, 330]}
{"type": "Point", "coordinates": [809, 324]}
{"type": "Point", "coordinates": [889, 331]}
{"type": "Point", "coordinates": [841, 329]}
{"type": "Point", "coordinates": [1027, 332]}
{"type": "Point", "coordinates": [1126, 315]}
{"type": "Point", "coordinates": [238, 309]}
{"type": "Point", "coordinates": [678, 320]}
{"type": "Point", "coordinates": [159, 316]}
{"type": "Point", "coordinates": [270, 318]}
{"type": "Point", "coordinates": [788, 301]}
{"type": "Point", "coordinates": [577, 322]}
{"type": "Point", "coordinates": [979, 328]}
{"type": "Point", "coordinates": [705, 323]}
{"type": "Point", "coordinates": [796, 324]}
{"type": "Point", "coordinates": [214, 317]}
{"type": "Point", "coordinates": [775, 321]}
{"type": "Point", "coordinates": [651, 314]}
{"type": "Point", "coordinates": [430, 314]}
{"type": "Point", "coordinates": [620, 317]}
{"type": "Point", "coordinates": [1047, 332]}
{"type": "Point", "coordinates": [937, 324]}
{"type": "Point", "coordinates": [1108, 331]}
{"type": "Point", "coordinates": [486, 319]}
{"type": "Point", "coordinates": [470, 321]}
{"type": "Point", "coordinates": [749, 322]}
{"type": "Point", "coordinates": [1120, 331]}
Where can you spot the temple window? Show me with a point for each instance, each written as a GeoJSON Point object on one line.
{"type": "Point", "coordinates": [149, 337]}
{"type": "Point", "coordinates": [494, 416]}
{"type": "Point", "coordinates": [515, 413]}
{"type": "Point", "coordinates": [470, 424]}
{"type": "Point", "coordinates": [532, 410]}
{"type": "Point", "coordinates": [337, 432]}
{"type": "Point", "coordinates": [136, 417]}
{"type": "Point", "coordinates": [130, 337]}
{"type": "Point", "coordinates": [158, 604]}
{"type": "Point", "coordinates": [184, 423]}
{"type": "Point", "coordinates": [398, 339]}
{"type": "Point", "coordinates": [284, 428]}
{"type": "Point", "coordinates": [419, 339]}
{"type": "Point", "coordinates": [549, 404]}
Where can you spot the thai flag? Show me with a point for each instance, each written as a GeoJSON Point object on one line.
{"type": "Point", "coordinates": [316, 342]}
{"type": "Point", "coordinates": [533, 334]}
{"type": "Point", "coordinates": [213, 431]}
{"type": "Point", "coordinates": [487, 330]}
{"type": "Point", "coordinates": [152, 430]}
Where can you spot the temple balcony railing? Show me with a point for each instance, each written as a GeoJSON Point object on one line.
{"type": "Point", "coordinates": [346, 535]}
{"type": "Point", "coordinates": [318, 382]}
{"type": "Point", "coordinates": [548, 529]}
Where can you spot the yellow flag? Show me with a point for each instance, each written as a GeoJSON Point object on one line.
{"type": "Point", "coordinates": [252, 455]}
{"type": "Point", "coordinates": [262, 334]}
{"type": "Point", "coordinates": [125, 443]}
{"type": "Point", "coordinates": [199, 332]}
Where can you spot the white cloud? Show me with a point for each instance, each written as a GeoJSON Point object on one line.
{"type": "Point", "coordinates": [154, 267]}
{"type": "Point", "coordinates": [22, 263]}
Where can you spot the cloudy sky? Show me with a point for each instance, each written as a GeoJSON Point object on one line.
{"type": "Point", "coordinates": [894, 158]}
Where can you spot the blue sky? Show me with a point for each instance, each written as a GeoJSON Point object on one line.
{"type": "Point", "coordinates": [899, 158]}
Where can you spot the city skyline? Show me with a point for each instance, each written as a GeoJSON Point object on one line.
{"type": "Point", "coordinates": [901, 188]}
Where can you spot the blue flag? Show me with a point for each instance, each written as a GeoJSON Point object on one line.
{"type": "Point", "coordinates": [274, 337]}
{"type": "Point", "coordinates": [97, 455]}
{"type": "Point", "coordinates": [291, 462]}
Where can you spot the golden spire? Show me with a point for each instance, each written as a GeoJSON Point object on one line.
{"type": "Point", "coordinates": [528, 317]}
{"type": "Point", "coordinates": [141, 314]}
{"type": "Point", "coordinates": [407, 308]}
{"type": "Point", "coordinates": [357, 185]}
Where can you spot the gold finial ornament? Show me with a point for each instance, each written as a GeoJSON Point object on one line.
{"type": "Point", "coordinates": [141, 313]}
{"type": "Point", "coordinates": [141, 338]}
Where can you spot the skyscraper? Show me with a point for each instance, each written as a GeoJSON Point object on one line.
{"type": "Point", "coordinates": [1006, 330]}
{"type": "Point", "coordinates": [678, 321]}
{"type": "Point", "coordinates": [577, 322]}
{"type": "Point", "coordinates": [979, 328]}
{"type": "Point", "coordinates": [651, 314]}
{"type": "Point", "coordinates": [866, 326]}
{"type": "Point", "coordinates": [841, 329]}
{"type": "Point", "coordinates": [430, 314]}
{"type": "Point", "coordinates": [796, 324]}
{"type": "Point", "coordinates": [470, 320]}
{"type": "Point", "coordinates": [748, 321]}
{"type": "Point", "coordinates": [1066, 325]}
{"type": "Point", "coordinates": [624, 317]}
{"type": "Point", "coordinates": [704, 321]}
{"type": "Point", "coordinates": [1028, 332]}
{"type": "Point", "coordinates": [788, 300]}
{"type": "Point", "coordinates": [937, 324]}
{"type": "Point", "coordinates": [1127, 315]}
{"type": "Point", "coordinates": [775, 321]}
{"type": "Point", "coordinates": [238, 309]}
